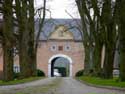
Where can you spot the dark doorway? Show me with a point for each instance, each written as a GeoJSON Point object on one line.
{"type": "Point", "coordinates": [60, 67]}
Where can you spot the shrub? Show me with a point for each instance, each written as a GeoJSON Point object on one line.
{"type": "Point", "coordinates": [16, 75]}
{"type": "Point", "coordinates": [79, 73]}
{"type": "Point", "coordinates": [40, 73]}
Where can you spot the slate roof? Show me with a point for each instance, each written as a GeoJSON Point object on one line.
{"type": "Point", "coordinates": [50, 24]}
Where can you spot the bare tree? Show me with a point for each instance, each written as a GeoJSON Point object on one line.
{"type": "Point", "coordinates": [27, 42]}
{"type": "Point", "coordinates": [97, 30]}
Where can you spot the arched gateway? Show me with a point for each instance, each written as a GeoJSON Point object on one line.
{"type": "Point", "coordinates": [60, 47]}
{"type": "Point", "coordinates": [58, 56]}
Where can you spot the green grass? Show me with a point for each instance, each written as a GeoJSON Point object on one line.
{"type": "Point", "coordinates": [48, 88]}
{"type": "Point", "coordinates": [103, 82]}
{"type": "Point", "coordinates": [17, 81]}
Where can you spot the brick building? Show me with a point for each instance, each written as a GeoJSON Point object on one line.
{"type": "Point", "coordinates": [60, 44]}
{"type": "Point", "coordinates": [57, 41]}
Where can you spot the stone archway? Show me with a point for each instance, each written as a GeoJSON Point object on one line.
{"type": "Point", "coordinates": [56, 56]}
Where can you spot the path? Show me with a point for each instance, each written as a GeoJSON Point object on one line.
{"type": "Point", "coordinates": [55, 86]}
{"type": "Point", "coordinates": [43, 86]}
{"type": "Point", "coordinates": [24, 85]}
{"type": "Point", "coordinates": [71, 86]}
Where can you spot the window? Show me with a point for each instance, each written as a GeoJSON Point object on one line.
{"type": "Point", "coordinates": [67, 48]}
{"type": "Point", "coordinates": [16, 69]}
{"type": "Point", "coordinates": [53, 48]}
{"type": "Point", "coordinates": [60, 48]}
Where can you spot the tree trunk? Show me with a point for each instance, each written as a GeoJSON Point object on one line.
{"type": "Point", "coordinates": [8, 61]}
{"type": "Point", "coordinates": [8, 41]}
{"type": "Point", "coordinates": [110, 45]}
{"type": "Point", "coordinates": [31, 50]}
{"type": "Point", "coordinates": [23, 41]}
{"type": "Point", "coordinates": [87, 60]}
{"type": "Point", "coordinates": [23, 59]}
{"type": "Point", "coordinates": [109, 62]}
{"type": "Point", "coordinates": [97, 59]}
{"type": "Point", "coordinates": [107, 24]}
{"type": "Point", "coordinates": [122, 40]}
{"type": "Point", "coordinates": [122, 63]}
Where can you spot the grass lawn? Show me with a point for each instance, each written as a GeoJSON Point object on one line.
{"type": "Point", "coordinates": [16, 81]}
{"type": "Point", "coordinates": [103, 82]}
{"type": "Point", "coordinates": [48, 88]}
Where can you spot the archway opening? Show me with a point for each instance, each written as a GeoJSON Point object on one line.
{"type": "Point", "coordinates": [60, 63]}
{"type": "Point", "coordinates": [60, 66]}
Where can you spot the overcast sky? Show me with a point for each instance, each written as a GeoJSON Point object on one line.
{"type": "Point", "coordinates": [58, 8]}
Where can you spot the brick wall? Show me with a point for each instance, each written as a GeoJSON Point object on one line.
{"type": "Point", "coordinates": [76, 53]}
{"type": "Point", "coordinates": [45, 52]}
{"type": "Point", "coordinates": [1, 64]}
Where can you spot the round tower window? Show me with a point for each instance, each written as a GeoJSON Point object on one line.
{"type": "Point", "coordinates": [67, 48]}
{"type": "Point", "coordinates": [53, 48]}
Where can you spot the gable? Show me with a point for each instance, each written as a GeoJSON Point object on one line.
{"type": "Point", "coordinates": [61, 32]}
{"type": "Point", "coordinates": [51, 25]}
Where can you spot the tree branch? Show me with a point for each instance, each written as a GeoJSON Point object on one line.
{"type": "Point", "coordinates": [41, 24]}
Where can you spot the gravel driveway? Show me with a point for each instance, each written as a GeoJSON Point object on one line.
{"type": "Point", "coordinates": [71, 86]}
{"type": "Point", "coordinates": [55, 86]}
